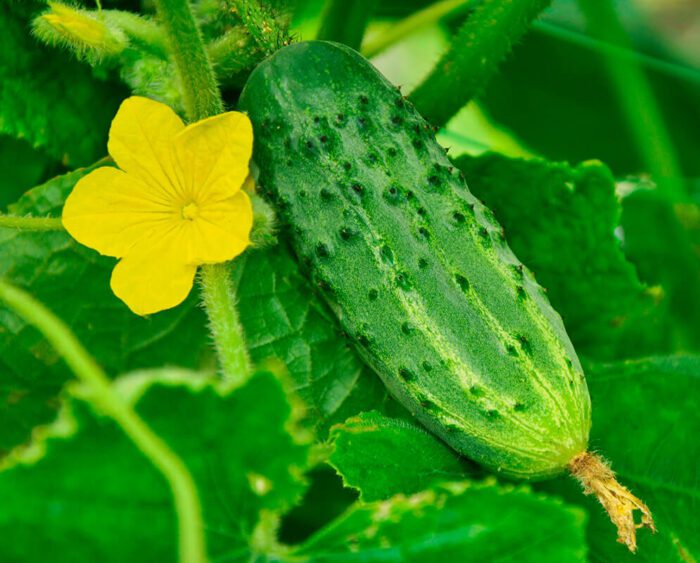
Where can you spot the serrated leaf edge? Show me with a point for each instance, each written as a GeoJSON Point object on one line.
{"type": "Point", "coordinates": [327, 449]}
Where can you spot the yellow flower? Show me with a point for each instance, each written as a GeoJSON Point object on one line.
{"type": "Point", "coordinates": [176, 203]}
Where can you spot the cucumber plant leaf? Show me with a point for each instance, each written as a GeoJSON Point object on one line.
{"type": "Point", "coordinates": [90, 495]}
{"type": "Point", "coordinates": [284, 320]}
{"type": "Point", "coordinates": [48, 98]}
{"type": "Point", "coordinates": [383, 456]}
{"type": "Point", "coordinates": [73, 281]}
{"type": "Point", "coordinates": [560, 221]}
{"type": "Point", "coordinates": [458, 521]}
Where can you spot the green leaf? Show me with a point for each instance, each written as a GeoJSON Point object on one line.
{"type": "Point", "coordinates": [48, 98]}
{"type": "Point", "coordinates": [384, 456]}
{"type": "Point", "coordinates": [73, 282]}
{"type": "Point", "coordinates": [92, 496]}
{"type": "Point", "coordinates": [48, 198]}
{"type": "Point", "coordinates": [560, 221]}
{"type": "Point", "coordinates": [645, 420]}
{"type": "Point", "coordinates": [455, 522]}
{"type": "Point", "coordinates": [283, 319]}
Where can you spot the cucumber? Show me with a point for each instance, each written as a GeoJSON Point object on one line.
{"type": "Point", "coordinates": [416, 269]}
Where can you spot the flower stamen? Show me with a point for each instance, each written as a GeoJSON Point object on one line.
{"type": "Point", "coordinates": [190, 212]}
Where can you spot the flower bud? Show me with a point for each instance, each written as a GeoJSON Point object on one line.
{"type": "Point", "coordinates": [87, 33]}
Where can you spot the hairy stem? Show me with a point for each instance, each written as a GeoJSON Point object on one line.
{"type": "Point", "coordinates": [637, 100]}
{"type": "Point", "coordinates": [476, 50]}
{"type": "Point", "coordinates": [199, 82]}
{"type": "Point", "coordinates": [409, 25]}
{"type": "Point", "coordinates": [190, 525]}
{"type": "Point", "coordinates": [219, 299]}
{"type": "Point", "coordinates": [201, 94]}
{"type": "Point", "coordinates": [31, 223]}
{"type": "Point", "coordinates": [345, 21]}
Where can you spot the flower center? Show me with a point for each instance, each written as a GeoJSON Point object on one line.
{"type": "Point", "coordinates": [190, 211]}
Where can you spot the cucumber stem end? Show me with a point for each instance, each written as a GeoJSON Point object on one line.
{"type": "Point", "coordinates": [596, 477]}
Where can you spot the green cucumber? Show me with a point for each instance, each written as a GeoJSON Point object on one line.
{"type": "Point", "coordinates": [416, 269]}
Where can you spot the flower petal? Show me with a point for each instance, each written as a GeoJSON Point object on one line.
{"type": "Point", "coordinates": [213, 155]}
{"type": "Point", "coordinates": [153, 276]}
{"type": "Point", "coordinates": [141, 142]}
{"type": "Point", "coordinates": [110, 211]}
{"type": "Point", "coordinates": [221, 231]}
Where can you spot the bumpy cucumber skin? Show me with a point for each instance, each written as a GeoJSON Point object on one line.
{"type": "Point", "coordinates": [415, 267]}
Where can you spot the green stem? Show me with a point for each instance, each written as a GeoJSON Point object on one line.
{"type": "Point", "coordinates": [219, 299]}
{"type": "Point", "coordinates": [477, 49]}
{"type": "Point", "coordinates": [199, 82]}
{"type": "Point", "coordinates": [201, 94]}
{"type": "Point", "coordinates": [345, 21]}
{"type": "Point", "coordinates": [145, 32]}
{"type": "Point", "coordinates": [641, 110]}
{"type": "Point", "coordinates": [190, 525]}
{"type": "Point", "coordinates": [409, 25]}
{"type": "Point", "coordinates": [31, 223]}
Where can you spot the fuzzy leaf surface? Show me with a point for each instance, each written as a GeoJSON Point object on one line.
{"type": "Point", "coordinates": [283, 319]}
{"type": "Point", "coordinates": [662, 240]}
